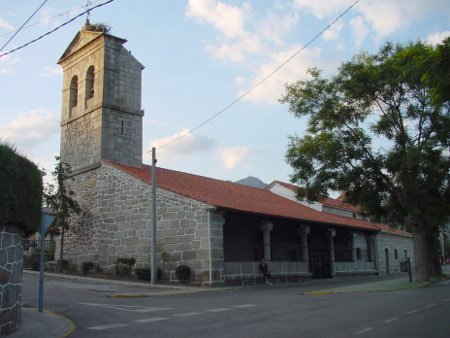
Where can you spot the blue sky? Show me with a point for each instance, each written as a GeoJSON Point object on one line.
{"type": "Point", "coordinates": [200, 55]}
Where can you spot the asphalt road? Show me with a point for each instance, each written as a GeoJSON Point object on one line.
{"type": "Point", "coordinates": [250, 312]}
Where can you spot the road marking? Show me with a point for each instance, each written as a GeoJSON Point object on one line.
{"type": "Point", "coordinates": [244, 306]}
{"type": "Point", "coordinates": [130, 308]}
{"type": "Point", "coordinates": [106, 327]}
{"type": "Point", "coordinates": [412, 312]}
{"type": "Point", "coordinates": [367, 329]}
{"type": "Point", "coordinates": [390, 320]}
{"type": "Point", "coordinates": [220, 309]}
{"type": "Point", "coordinates": [188, 314]}
{"type": "Point", "coordinates": [430, 305]}
{"type": "Point", "coordinates": [446, 300]}
{"type": "Point", "coordinates": [150, 320]}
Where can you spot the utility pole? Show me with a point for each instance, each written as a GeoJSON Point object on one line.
{"type": "Point", "coordinates": [153, 240]}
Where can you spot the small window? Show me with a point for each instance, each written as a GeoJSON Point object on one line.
{"type": "Point", "coordinates": [73, 93]}
{"type": "Point", "coordinates": [406, 254]}
{"type": "Point", "coordinates": [90, 83]}
{"type": "Point", "coordinates": [396, 254]}
{"type": "Point", "coordinates": [358, 253]}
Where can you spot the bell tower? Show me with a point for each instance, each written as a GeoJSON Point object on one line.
{"type": "Point", "coordinates": [101, 115]}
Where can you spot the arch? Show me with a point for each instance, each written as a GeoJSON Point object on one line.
{"type": "Point", "coordinates": [90, 76]}
{"type": "Point", "coordinates": [73, 101]}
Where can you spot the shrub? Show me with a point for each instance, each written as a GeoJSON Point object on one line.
{"type": "Point", "coordinates": [123, 266]}
{"type": "Point", "coordinates": [21, 189]}
{"type": "Point", "coordinates": [87, 267]}
{"type": "Point", "coordinates": [145, 273]}
{"type": "Point", "coordinates": [183, 273]}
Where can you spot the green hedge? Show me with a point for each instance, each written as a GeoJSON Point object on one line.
{"type": "Point", "coordinates": [21, 191]}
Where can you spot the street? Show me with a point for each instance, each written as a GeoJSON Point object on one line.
{"type": "Point", "coordinates": [277, 311]}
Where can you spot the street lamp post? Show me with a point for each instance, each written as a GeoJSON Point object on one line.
{"type": "Point", "coordinates": [46, 221]}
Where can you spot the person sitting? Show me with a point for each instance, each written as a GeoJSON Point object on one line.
{"type": "Point", "coordinates": [264, 270]}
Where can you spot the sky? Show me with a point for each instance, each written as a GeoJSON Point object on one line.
{"type": "Point", "coordinates": [199, 57]}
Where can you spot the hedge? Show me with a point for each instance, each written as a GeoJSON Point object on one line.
{"type": "Point", "coordinates": [21, 191]}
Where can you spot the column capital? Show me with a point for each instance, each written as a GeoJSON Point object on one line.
{"type": "Point", "coordinates": [304, 230]}
{"type": "Point", "coordinates": [332, 232]}
{"type": "Point", "coordinates": [266, 226]}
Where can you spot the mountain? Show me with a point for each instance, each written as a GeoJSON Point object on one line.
{"type": "Point", "coordinates": [252, 182]}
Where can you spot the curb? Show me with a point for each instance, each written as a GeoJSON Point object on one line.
{"type": "Point", "coordinates": [71, 324]}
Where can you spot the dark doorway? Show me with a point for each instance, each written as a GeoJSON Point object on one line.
{"type": "Point", "coordinates": [319, 254]}
{"type": "Point", "coordinates": [386, 254]}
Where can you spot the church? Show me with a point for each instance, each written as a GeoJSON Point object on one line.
{"type": "Point", "coordinates": [219, 229]}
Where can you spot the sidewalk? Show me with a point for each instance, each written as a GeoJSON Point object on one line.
{"type": "Point", "coordinates": [52, 325]}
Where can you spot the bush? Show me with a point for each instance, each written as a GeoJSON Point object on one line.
{"type": "Point", "coordinates": [21, 189]}
{"type": "Point", "coordinates": [124, 266]}
{"type": "Point", "coordinates": [87, 267]}
{"type": "Point", "coordinates": [145, 273]}
{"type": "Point", "coordinates": [183, 273]}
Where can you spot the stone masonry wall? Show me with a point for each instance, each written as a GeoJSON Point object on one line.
{"type": "Point", "coordinates": [119, 225]}
{"type": "Point", "coordinates": [393, 242]}
{"type": "Point", "coordinates": [10, 280]}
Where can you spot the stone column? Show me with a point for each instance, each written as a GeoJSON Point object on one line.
{"type": "Point", "coordinates": [266, 229]}
{"type": "Point", "coordinates": [304, 231]}
{"type": "Point", "coordinates": [332, 234]}
{"type": "Point", "coordinates": [353, 239]}
{"type": "Point", "coordinates": [374, 250]}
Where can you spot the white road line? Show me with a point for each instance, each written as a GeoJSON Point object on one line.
{"type": "Point", "coordinates": [220, 309]}
{"type": "Point", "coordinates": [446, 300]}
{"type": "Point", "coordinates": [130, 308]}
{"type": "Point", "coordinates": [244, 306]}
{"type": "Point", "coordinates": [107, 326]}
{"type": "Point", "coordinates": [390, 320]}
{"type": "Point", "coordinates": [430, 305]}
{"type": "Point", "coordinates": [150, 320]}
{"type": "Point", "coordinates": [188, 314]}
{"type": "Point", "coordinates": [412, 312]}
{"type": "Point", "coordinates": [367, 329]}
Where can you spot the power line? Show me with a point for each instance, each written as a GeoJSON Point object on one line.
{"type": "Point", "coordinates": [252, 88]}
{"type": "Point", "coordinates": [20, 28]}
{"type": "Point", "coordinates": [55, 29]}
{"type": "Point", "coordinates": [52, 17]}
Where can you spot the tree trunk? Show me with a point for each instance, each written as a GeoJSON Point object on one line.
{"type": "Point", "coordinates": [434, 266]}
{"type": "Point", "coordinates": [420, 251]}
{"type": "Point", "coordinates": [61, 251]}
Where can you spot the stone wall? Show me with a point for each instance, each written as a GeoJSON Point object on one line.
{"type": "Point", "coordinates": [119, 225]}
{"type": "Point", "coordinates": [391, 242]}
{"type": "Point", "coordinates": [10, 280]}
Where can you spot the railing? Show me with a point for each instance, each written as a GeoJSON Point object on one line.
{"type": "Point", "coordinates": [30, 246]}
{"type": "Point", "coordinates": [249, 269]}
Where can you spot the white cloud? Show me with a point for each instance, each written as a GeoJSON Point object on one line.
{"type": "Point", "coordinates": [232, 156]}
{"type": "Point", "coordinates": [5, 25]}
{"type": "Point", "coordinates": [322, 8]}
{"type": "Point", "coordinates": [6, 71]}
{"type": "Point", "coordinates": [186, 144]}
{"type": "Point", "coordinates": [228, 19]}
{"type": "Point", "coordinates": [274, 27]}
{"type": "Point", "coordinates": [359, 29]}
{"type": "Point", "coordinates": [437, 37]}
{"type": "Point", "coordinates": [30, 129]}
{"type": "Point", "coordinates": [51, 71]}
{"type": "Point", "coordinates": [272, 89]}
{"type": "Point", "coordinates": [333, 32]}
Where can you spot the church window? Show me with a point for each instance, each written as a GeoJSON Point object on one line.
{"type": "Point", "coordinates": [90, 83]}
{"type": "Point", "coordinates": [73, 93]}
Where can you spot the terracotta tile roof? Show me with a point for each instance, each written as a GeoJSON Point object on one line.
{"type": "Point", "coordinates": [337, 203]}
{"type": "Point", "coordinates": [236, 197]}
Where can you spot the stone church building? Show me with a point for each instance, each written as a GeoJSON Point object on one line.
{"type": "Point", "coordinates": [219, 229]}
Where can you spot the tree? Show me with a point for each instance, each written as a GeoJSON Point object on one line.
{"type": "Point", "coordinates": [62, 202]}
{"type": "Point", "coordinates": [379, 131]}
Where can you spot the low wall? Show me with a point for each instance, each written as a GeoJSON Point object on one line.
{"type": "Point", "coordinates": [242, 270]}
{"type": "Point", "coordinates": [10, 280]}
{"type": "Point", "coordinates": [355, 268]}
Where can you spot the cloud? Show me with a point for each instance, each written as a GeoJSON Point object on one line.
{"type": "Point", "coordinates": [333, 32]}
{"type": "Point", "coordinates": [322, 8]}
{"type": "Point", "coordinates": [359, 29]}
{"type": "Point", "coordinates": [5, 25]}
{"type": "Point", "coordinates": [232, 156]}
{"type": "Point", "coordinates": [437, 37]}
{"type": "Point", "coordinates": [6, 71]}
{"type": "Point", "coordinates": [51, 71]}
{"type": "Point", "coordinates": [272, 89]}
{"type": "Point", "coordinates": [31, 128]}
{"type": "Point", "coordinates": [186, 144]}
{"type": "Point", "coordinates": [274, 27]}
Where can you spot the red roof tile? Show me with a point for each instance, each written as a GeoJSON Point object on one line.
{"type": "Point", "coordinates": [231, 196]}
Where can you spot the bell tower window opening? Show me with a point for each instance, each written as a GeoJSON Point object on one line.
{"type": "Point", "coordinates": [122, 129]}
{"type": "Point", "coordinates": [89, 83]}
{"type": "Point", "coordinates": [73, 94]}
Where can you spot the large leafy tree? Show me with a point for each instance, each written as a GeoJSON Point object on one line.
{"type": "Point", "coordinates": [61, 200]}
{"type": "Point", "coordinates": [379, 131]}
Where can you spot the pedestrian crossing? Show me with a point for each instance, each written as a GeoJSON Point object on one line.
{"type": "Point", "coordinates": [168, 313]}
